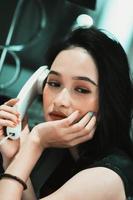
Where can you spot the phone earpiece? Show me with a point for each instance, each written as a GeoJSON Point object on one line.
{"type": "Point", "coordinates": [29, 91]}
{"type": "Point", "coordinates": [40, 81]}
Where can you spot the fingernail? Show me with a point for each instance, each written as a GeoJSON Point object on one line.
{"type": "Point", "coordinates": [90, 114]}
{"type": "Point", "coordinates": [14, 124]}
{"type": "Point", "coordinates": [77, 111]}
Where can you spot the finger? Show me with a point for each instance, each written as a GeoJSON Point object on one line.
{"type": "Point", "coordinates": [1, 132]}
{"type": "Point", "coordinates": [70, 119]}
{"type": "Point", "coordinates": [83, 139]}
{"type": "Point", "coordinates": [86, 118]}
{"type": "Point", "coordinates": [6, 123]}
{"type": "Point", "coordinates": [82, 123]}
{"type": "Point", "coordinates": [11, 102]}
{"type": "Point", "coordinates": [86, 123]}
{"type": "Point", "coordinates": [6, 115]}
{"type": "Point", "coordinates": [91, 124]}
{"type": "Point", "coordinates": [78, 131]}
{"type": "Point", "coordinates": [8, 109]}
{"type": "Point", "coordinates": [91, 133]}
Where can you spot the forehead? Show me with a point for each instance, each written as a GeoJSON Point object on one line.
{"type": "Point", "coordinates": [75, 62]}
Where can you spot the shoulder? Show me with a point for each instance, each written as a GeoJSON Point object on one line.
{"type": "Point", "coordinates": [120, 163]}
{"type": "Point", "coordinates": [96, 183]}
{"type": "Point", "coordinates": [101, 183]}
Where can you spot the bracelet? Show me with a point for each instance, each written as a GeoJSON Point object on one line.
{"type": "Point", "coordinates": [14, 178]}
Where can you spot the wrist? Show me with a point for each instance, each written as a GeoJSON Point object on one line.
{"type": "Point", "coordinates": [36, 140]}
{"type": "Point", "coordinates": [6, 164]}
{"type": "Point", "coordinates": [25, 159]}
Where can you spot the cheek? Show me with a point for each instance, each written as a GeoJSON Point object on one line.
{"type": "Point", "coordinates": [94, 104]}
{"type": "Point", "coordinates": [88, 104]}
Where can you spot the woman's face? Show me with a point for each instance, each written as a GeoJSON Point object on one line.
{"type": "Point", "coordinates": [72, 84]}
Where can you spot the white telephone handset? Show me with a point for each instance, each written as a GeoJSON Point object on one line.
{"type": "Point", "coordinates": [32, 87]}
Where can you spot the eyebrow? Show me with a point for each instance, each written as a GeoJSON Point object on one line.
{"type": "Point", "coordinates": [76, 77]}
{"type": "Point", "coordinates": [85, 79]}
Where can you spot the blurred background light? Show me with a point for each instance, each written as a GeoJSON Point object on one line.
{"type": "Point", "coordinates": [84, 20]}
{"type": "Point", "coordinates": [117, 18]}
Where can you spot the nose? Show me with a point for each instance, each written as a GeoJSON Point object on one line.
{"type": "Point", "coordinates": [63, 99]}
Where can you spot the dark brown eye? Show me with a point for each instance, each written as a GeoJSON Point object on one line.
{"type": "Point", "coordinates": [82, 90]}
{"type": "Point", "coordinates": [53, 84]}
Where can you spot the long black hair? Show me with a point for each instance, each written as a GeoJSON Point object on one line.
{"type": "Point", "coordinates": [115, 88]}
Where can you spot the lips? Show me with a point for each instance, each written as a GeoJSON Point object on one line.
{"type": "Point", "coordinates": [57, 115]}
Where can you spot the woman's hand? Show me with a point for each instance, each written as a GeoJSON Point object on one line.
{"type": "Point", "coordinates": [64, 133]}
{"type": "Point", "coordinates": [10, 117]}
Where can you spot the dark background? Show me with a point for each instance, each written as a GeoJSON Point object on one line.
{"type": "Point", "coordinates": [39, 24]}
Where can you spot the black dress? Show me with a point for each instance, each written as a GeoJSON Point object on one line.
{"type": "Point", "coordinates": [116, 160]}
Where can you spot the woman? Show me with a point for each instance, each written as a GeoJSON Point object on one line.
{"type": "Point", "coordinates": [87, 100]}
